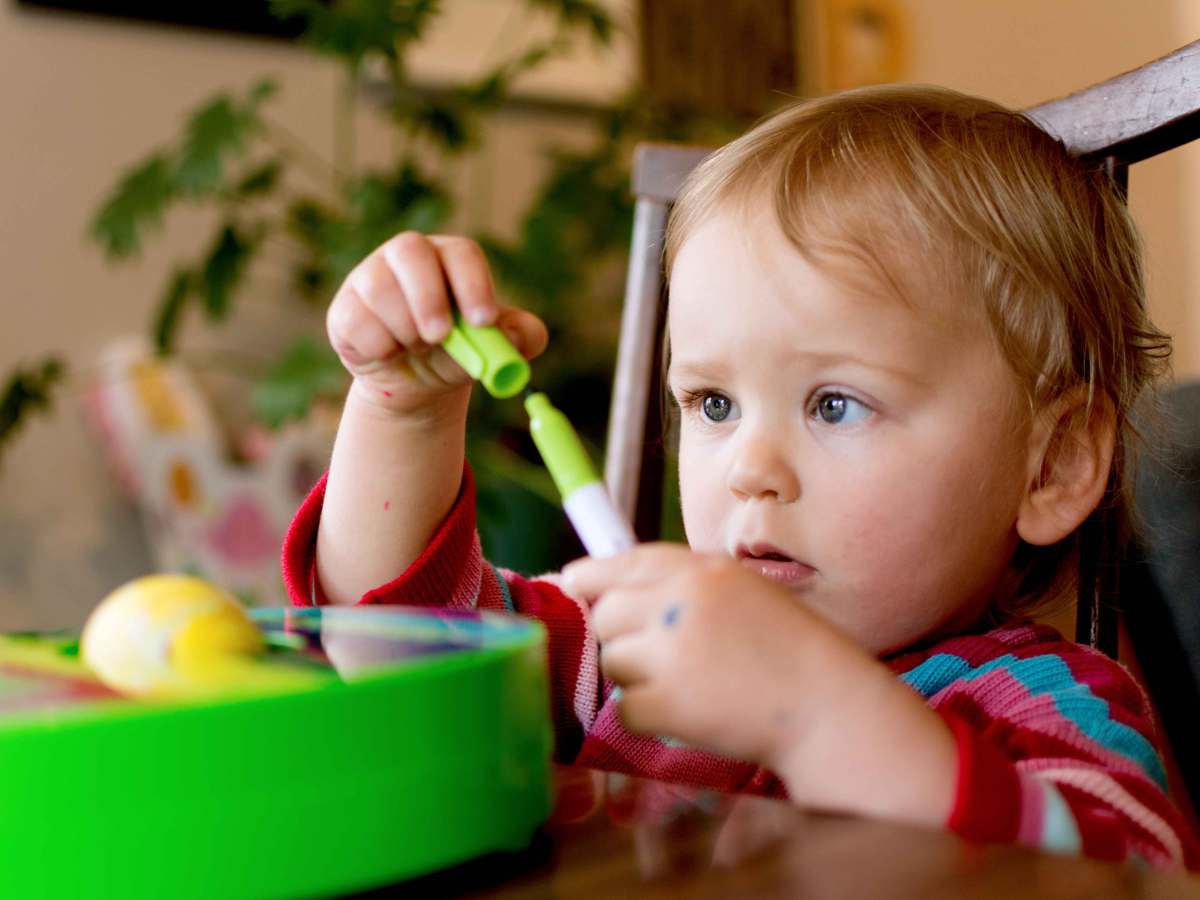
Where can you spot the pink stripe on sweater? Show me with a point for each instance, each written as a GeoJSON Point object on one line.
{"type": "Point", "coordinates": [1104, 787]}
{"type": "Point", "coordinates": [1004, 698]}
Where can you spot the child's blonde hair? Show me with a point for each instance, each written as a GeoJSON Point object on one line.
{"type": "Point", "coordinates": [990, 207]}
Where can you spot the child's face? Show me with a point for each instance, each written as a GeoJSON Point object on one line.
{"type": "Point", "coordinates": [869, 454]}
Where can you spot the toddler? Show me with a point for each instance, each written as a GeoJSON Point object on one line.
{"type": "Point", "coordinates": [905, 333]}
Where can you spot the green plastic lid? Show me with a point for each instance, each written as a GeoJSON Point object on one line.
{"type": "Point", "coordinates": [489, 357]}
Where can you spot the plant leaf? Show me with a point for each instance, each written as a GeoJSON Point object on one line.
{"type": "Point", "coordinates": [262, 90]}
{"type": "Point", "coordinates": [136, 204]}
{"type": "Point", "coordinates": [218, 129]}
{"type": "Point", "coordinates": [378, 206]}
{"type": "Point", "coordinates": [355, 29]}
{"type": "Point", "coordinates": [27, 391]}
{"type": "Point", "coordinates": [259, 180]}
{"type": "Point", "coordinates": [440, 117]}
{"type": "Point", "coordinates": [306, 371]}
{"type": "Point", "coordinates": [166, 320]}
{"type": "Point", "coordinates": [223, 268]}
{"type": "Point", "coordinates": [582, 211]}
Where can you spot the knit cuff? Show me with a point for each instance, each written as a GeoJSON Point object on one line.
{"type": "Point", "coordinates": [987, 797]}
{"type": "Point", "coordinates": [447, 572]}
{"type": "Point", "coordinates": [298, 561]}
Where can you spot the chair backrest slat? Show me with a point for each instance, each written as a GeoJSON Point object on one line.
{"type": "Point", "coordinates": [1153, 109]}
{"type": "Point", "coordinates": [659, 170]}
{"type": "Point", "coordinates": [634, 379]}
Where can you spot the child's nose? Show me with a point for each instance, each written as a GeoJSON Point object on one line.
{"type": "Point", "coordinates": [763, 469]}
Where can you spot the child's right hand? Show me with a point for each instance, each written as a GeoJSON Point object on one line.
{"type": "Point", "coordinates": [388, 318]}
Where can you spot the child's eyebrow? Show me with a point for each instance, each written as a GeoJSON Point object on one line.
{"type": "Point", "coordinates": [700, 370]}
{"type": "Point", "coordinates": [715, 371]}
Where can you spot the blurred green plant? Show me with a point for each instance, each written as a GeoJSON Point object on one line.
{"type": "Point", "coordinates": [27, 391]}
{"type": "Point", "coordinates": [233, 158]}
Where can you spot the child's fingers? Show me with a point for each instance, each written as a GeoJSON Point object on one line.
{"type": "Point", "coordinates": [417, 267]}
{"type": "Point", "coordinates": [376, 285]}
{"type": "Point", "coordinates": [590, 577]}
{"type": "Point", "coordinates": [645, 707]}
{"type": "Point", "coordinates": [355, 333]}
{"type": "Point", "coordinates": [622, 611]}
{"type": "Point", "coordinates": [526, 331]}
{"type": "Point", "coordinates": [630, 659]}
{"type": "Point", "coordinates": [443, 367]}
{"type": "Point", "coordinates": [437, 367]}
{"type": "Point", "coordinates": [466, 269]}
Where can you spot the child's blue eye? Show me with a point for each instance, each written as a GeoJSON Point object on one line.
{"type": "Point", "coordinates": [716, 407]}
{"type": "Point", "coordinates": [838, 409]}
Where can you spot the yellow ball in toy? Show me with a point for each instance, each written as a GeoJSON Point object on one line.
{"type": "Point", "coordinates": [165, 634]}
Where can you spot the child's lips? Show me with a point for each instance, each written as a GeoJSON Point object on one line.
{"type": "Point", "coordinates": [773, 563]}
{"type": "Point", "coordinates": [785, 572]}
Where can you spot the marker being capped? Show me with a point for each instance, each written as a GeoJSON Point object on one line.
{"type": "Point", "coordinates": [488, 356]}
{"type": "Point", "coordinates": [601, 528]}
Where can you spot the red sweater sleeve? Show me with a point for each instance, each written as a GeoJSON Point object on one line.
{"type": "Point", "coordinates": [451, 572]}
{"type": "Point", "coordinates": [1056, 750]}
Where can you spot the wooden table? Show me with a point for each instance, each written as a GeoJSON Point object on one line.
{"type": "Point", "coordinates": [637, 838]}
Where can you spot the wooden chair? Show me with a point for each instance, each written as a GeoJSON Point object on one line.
{"type": "Point", "coordinates": [1118, 122]}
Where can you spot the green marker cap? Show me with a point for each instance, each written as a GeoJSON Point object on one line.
{"type": "Point", "coordinates": [489, 357]}
{"type": "Point", "coordinates": [561, 449]}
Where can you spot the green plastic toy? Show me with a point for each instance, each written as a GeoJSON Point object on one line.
{"type": "Point", "coordinates": [403, 741]}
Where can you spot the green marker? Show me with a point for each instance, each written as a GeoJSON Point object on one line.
{"type": "Point", "coordinates": [488, 357]}
{"type": "Point", "coordinates": [601, 528]}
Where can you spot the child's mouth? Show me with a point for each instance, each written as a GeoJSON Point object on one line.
{"type": "Point", "coordinates": [773, 563]}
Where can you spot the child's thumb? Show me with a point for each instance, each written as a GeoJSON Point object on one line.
{"type": "Point", "coordinates": [526, 331]}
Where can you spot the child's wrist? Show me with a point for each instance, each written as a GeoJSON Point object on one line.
{"type": "Point", "coordinates": [444, 409]}
{"type": "Point", "coordinates": [834, 678]}
{"type": "Point", "coordinates": [880, 751]}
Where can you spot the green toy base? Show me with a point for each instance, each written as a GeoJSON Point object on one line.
{"type": "Point", "coordinates": [432, 746]}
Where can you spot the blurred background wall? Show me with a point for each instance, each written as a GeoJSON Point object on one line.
{"type": "Point", "coordinates": [82, 97]}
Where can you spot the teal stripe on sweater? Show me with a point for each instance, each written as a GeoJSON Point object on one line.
{"type": "Point", "coordinates": [504, 592]}
{"type": "Point", "coordinates": [1047, 674]}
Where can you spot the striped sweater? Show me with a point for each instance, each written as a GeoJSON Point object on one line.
{"type": "Point", "coordinates": [1055, 740]}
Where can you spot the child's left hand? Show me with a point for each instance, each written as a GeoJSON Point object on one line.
{"type": "Point", "coordinates": [707, 651]}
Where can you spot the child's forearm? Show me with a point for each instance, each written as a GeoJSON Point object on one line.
{"type": "Point", "coordinates": [392, 480]}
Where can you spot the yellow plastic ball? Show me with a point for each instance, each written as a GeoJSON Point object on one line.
{"type": "Point", "coordinates": [164, 634]}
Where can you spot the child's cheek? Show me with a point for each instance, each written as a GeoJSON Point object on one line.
{"type": "Point", "coordinates": [875, 555]}
{"type": "Point", "coordinates": [705, 506]}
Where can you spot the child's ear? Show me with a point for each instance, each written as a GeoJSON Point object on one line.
{"type": "Point", "coordinates": [1070, 454]}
